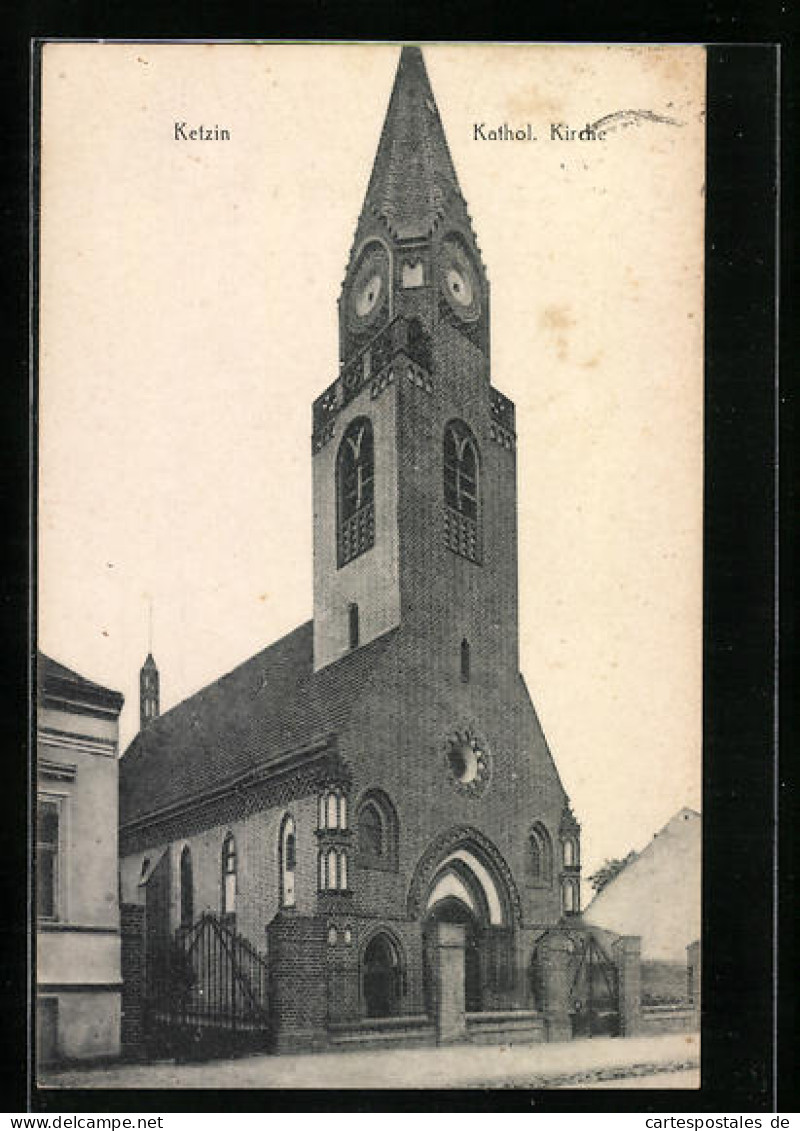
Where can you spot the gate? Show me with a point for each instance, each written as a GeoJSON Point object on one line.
{"type": "Point", "coordinates": [594, 992]}
{"type": "Point", "coordinates": [206, 992]}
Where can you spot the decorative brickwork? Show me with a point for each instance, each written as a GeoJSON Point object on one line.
{"type": "Point", "coordinates": [446, 843]}
{"type": "Point", "coordinates": [462, 535]}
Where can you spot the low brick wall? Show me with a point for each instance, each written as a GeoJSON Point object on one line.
{"type": "Point", "coordinates": [667, 1019]}
{"type": "Point", "coordinates": [507, 1027]}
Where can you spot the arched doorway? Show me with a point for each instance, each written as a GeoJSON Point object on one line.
{"type": "Point", "coordinates": [453, 910]}
{"type": "Point", "coordinates": [462, 878]}
{"type": "Point", "coordinates": [381, 977]}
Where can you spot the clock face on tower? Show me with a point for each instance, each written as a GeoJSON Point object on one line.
{"type": "Point", "coordinates": [458, 281]}
{"type": "Point", "coordinates": [370, 287]}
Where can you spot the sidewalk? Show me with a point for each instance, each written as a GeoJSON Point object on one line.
{"type": "Point", "coordinates": [577, 1063]}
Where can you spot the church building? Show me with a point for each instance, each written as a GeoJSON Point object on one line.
{"type": "Point", "coordinates": [370, 803]}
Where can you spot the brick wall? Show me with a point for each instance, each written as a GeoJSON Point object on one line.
{"type": "Point", "coordinates": [132, 940]}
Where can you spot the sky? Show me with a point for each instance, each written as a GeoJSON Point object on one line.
{"type": "Point", "coordinates": [189, 318]}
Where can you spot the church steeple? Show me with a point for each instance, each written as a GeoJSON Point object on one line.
{"type": "Point", "coordinates": [413, 177]}
{"type": "Point", "coordinates": [414, 254]}
{"type": "Point", "coordinates": [413, 449]}
{"type": "Point", "coordinates": [148, 692]}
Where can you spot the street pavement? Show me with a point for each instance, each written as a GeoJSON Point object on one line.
{"type": "Point", "coordinates": [671, 1060]}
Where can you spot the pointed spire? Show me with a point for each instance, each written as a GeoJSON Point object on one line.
{"type": "Point", "coordinates": [413, 174]}
{"type": "Point", "coordinates": [149, 692]}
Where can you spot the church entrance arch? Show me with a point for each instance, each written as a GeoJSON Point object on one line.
{"type": "Point", "coordinates": [462, 879]}
{"type": "Point", "coordinates": [381, 977]}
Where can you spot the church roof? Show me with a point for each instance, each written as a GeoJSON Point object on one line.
{"type": "Point", "coordinates": [413, 174]}
{"type": "Point", "coordinates": [270, 705]}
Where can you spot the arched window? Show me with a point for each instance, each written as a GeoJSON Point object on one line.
{"type": "Point", "coordinates": [570, 853]}
{"type": "Point", "coordinates": [465, 661]}
{"type": "Point", "coordinates": [229, 875]}
{"type": "Point", "coordinates": [332, 810]}
{"type": "Point", "coordinates": [377, 838]}
{"type": "Point", "coordinates": [332, 871]}
{"type": "Point", "coordinates": [355, 491]}
{"type": "Point", "coordinates": [371, 841]}
{"type": "Point", "coordinates": [539, 855]}
{"type": "Point", "coordinates": [187, 888]}
{"type": "Point", "coordinates": [288, 860]}
{"type": "Point", "coordinates": [323, 874]}
{"type": "Point", "coordinates": [569, 897]}
{"type": "Point", "coordinates": [343, 870]}
{"type": "Point", "coordinates": [353, 625]}
{"type": "Point", "coordinates": [462, 491]}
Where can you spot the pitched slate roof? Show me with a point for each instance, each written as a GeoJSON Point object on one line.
{"type": "Point", "coordinates": [413, 172]}
{"type": "Point", "coordinates": [270, 705]}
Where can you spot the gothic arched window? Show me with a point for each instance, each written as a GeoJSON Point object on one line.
{"type": "Point", "coordinates": [229, 875]}
{"type": "Point", "coordinates": [288, 860]}
{"type": "Point", "coordinates": [332, 812]}
{"type": "Point", "coordinates": [370, 831]}
{"type": "Point", "coordinates": [187, 887]}
{"type": "Point", "coordinates": [570, 853]}
{"type": "Point", "coordinates": [355, 491]}
{"type": "Point", "coordinates": [377, 832]}
{"type": "Point", "coordinates": [539, 855]}
{"type": "Point", "coordinates": [570, 897]}
{"type": "Point", "coordinates": [462, 491]}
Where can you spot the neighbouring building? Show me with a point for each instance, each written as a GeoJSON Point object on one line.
{"type": "Point", "coordinates": [658, 897]}
{"type": "Point", "coordinates": [76, 877]}
{"type": "Point", "coordinates": [371, 801]}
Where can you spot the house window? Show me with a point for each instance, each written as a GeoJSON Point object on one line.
{"type": "Point", "coordinates": [355, 491]}
{"type": "Point", "coordinates": [465, 661]}
{"type": "Point", "coordinates": [288, 860]}
{"type": "Point", "coordinates": [353, 626]}
{"type": "Point", "coordinates": [229, 876]}
{"type": "Point", "coordinates": [187, 888]}
{"type": "Point", "coordinates": [462, 491]}
{"type": "Point", "coordinates": [377, 826]}
{"type": "Point", "coordinates": [539, 856]}
{"type": "Point", "coordinates": [48, 858]}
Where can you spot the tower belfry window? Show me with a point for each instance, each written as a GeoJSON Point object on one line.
{"type": "Point", "coordinates": [355, 491]}
{"type": "Point", "coordinates": [462, 491]}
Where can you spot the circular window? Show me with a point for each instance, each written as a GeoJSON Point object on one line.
{"type": "Point", "coordinates": [463, 761]}
{"type": "Point", "coordinates": [468, 761]}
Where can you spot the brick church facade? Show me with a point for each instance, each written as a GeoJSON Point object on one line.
{"type": "Point", "coordinates": [376, 785]}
